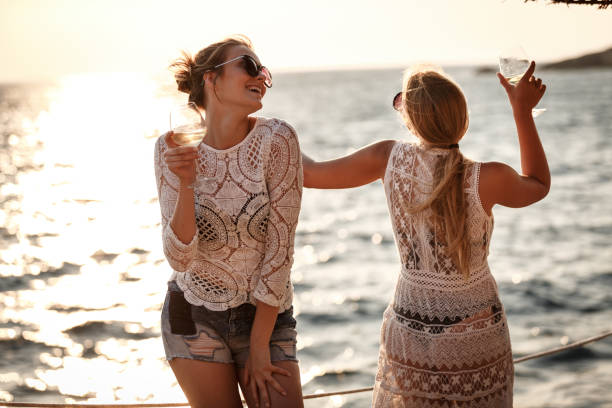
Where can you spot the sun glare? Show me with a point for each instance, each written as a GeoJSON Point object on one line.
{"type": "Point", "coordinates": [92, 150]}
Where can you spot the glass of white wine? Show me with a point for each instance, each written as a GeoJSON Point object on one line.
{"type": "Point", "coordinates": [188, 129]}
{"type": "Point", "coordinates": [513, 62]}
{"type": "Point", "coordinates": [187, 125]}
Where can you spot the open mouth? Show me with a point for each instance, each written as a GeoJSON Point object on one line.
{"type": "Point", "coordinates": [255, 89]}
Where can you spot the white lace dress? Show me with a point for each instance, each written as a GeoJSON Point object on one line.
{"type": "Point", "coordinates": [444, 338]}
{"type": "Point", "coordinates": [246, 213]}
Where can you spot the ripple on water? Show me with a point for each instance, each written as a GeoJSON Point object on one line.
{"type": "Point", "coordinates": [20, 355]}
{"type": "Point", "coordinates": [139, 251]}
{"type": "Point", "coordinates": [98, 330]}
{"type": "Point", "coordinates": [8, 237]}
{"type": "Point", "coordinates": [18, 343]}
{"type": "Point", "coordinates": [103, 257]}
{"type": "Point", "coordinates": [72, 309]}
{"type": "Point", "coordinates": [15, 283]}
{"type": "Point", "coordinates": [34, 238]}
{"type": "Point", "coordinates": [322, 319]}
{"type": "Point", "coordinates": [539, 295]}
{"type": "Point", "coordinates": [368, 307]}
{"type": "Point", "coordinates": [33, 390]}
{"type": "Point", "coordinates": [325, 350]}
{"type": "Point", "coordinates": [341, 377]}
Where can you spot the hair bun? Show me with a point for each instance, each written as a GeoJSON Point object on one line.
{"type": "Point", "coordinates": [182, 71]}
{"type": "Point", "coordinates": [183, 83]}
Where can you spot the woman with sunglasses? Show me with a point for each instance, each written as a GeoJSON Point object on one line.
{"type": "Point", "coordinates": [227, 320]}
{"type": "Point", "coordinates": [444, 337]}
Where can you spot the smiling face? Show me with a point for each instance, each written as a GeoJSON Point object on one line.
{"type": "Point", "coordinates": [233, 86]}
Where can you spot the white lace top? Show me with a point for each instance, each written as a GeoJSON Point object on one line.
{"type": "Point", "coordinates": [444, 337]}
{"type": "Point", "coordinates": [246, 208]}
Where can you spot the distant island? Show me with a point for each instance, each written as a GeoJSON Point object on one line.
{"type": "Point", "coordinates": [602, 59]}
{"type": "Point", "coordinates": [597, 59]}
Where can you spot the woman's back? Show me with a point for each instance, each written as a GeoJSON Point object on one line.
{"type": "Point", "coordinates": [444, 336]}
{"type": "Point", "coordinates": [425, 264]}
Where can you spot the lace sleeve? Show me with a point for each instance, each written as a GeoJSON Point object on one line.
{"type": "Point", "coordinates": [284, 180]}
{"type": "Point", "coordinates": [178, 254]}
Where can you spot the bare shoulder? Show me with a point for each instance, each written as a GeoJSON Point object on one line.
{"type": "Point", "coordinates": [493, 179]}
{"type": "Point", "coordinates": [382, 150]}
{"type": "Point", "coordinates": [495, 172]}
{"type": "Point", "coordinates": [501, 184]}
{"type": "Point", "coordinates": [378, 156]}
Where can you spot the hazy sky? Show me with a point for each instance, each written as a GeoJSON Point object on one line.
{"type": "Point", "coordinates": [48, 38]}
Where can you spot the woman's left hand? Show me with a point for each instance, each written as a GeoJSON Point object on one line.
{"type": "Point", "coordinates": [526, 94]}
{"type": "Point", "coordinates": [258, 371]}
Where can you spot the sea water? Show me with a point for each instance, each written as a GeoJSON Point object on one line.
{"type": "Point", "coordinates": [83, 276]}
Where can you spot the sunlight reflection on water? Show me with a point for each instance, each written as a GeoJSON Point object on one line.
{"type": "Point", "coordinates": [83, 274]}
{"type": "Point", "coordinates": [91, 186]}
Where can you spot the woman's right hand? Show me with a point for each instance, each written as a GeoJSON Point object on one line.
{"type": "Point", "coordinates": [181, 160]}
{"type": "Point", "coordinates": [526, 94]}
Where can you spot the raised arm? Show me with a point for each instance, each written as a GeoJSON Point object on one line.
{"type": "Point", "coordinates": [174, 173]}
{"type": "Point", "coordinates": [356, 169]}
{"type": "Point", "coordinates": [499, 183]}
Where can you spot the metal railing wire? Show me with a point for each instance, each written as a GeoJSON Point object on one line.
{"type": "Point", "coordinates": [544, 353]}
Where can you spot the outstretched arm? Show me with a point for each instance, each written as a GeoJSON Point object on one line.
{"type": "Point", "coordinates": [356, 169]}
{"type": "Point", "coordinates": [499, 183]}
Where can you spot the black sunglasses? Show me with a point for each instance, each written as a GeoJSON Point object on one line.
{"type": "Point", "coordinates": [397, 101]}
{"type": "Point", "coordinates": [252, 68]}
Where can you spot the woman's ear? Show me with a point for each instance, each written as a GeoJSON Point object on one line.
{"type": "Point", "coordinates": [208, 77]}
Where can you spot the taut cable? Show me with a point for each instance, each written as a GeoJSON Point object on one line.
{"type": "Point", "coordinates": [311, 396]}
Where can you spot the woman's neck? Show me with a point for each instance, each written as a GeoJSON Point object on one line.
{"type": "Point", "coordinates": [226, 130]}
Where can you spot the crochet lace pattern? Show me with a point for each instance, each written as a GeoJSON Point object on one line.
{"type": "Point", "coordinates": [444, 338]}
{"type": "Point", "coordinates": [246, 213]}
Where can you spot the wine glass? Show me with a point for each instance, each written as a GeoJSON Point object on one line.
{"type": "Point", "coordinates": [187, 125]}
{"type": "Point", "coordinates": [188, 129]}
{"type": "Point", "coordinates": [513, 62]}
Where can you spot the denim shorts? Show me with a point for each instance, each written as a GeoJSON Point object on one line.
{"type": "Point", "coordinates": [197, 333]}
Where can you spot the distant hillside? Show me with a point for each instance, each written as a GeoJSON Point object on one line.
{"type": "Point", "coordinates": [487, 69]}
{"type": "Point", "coordinates": [601, 59]}
{"type": "Point", "coordinates": [598, 59]}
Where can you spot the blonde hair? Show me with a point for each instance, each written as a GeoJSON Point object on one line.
{"type": "Point", "coordinates": [435, 109]}
{"type": "Point", "coordinates": [189, 70]}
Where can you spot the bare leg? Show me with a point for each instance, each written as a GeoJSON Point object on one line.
{"type": "Point", "coordinates": [292, 385]}
{"type": "Point", "coordinates": [207, 384]}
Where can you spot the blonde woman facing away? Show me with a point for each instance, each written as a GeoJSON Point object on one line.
{"type": "Point", "coordinates": [444, 337]}
{"type": "Point", "coordinates": [227, 320]}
